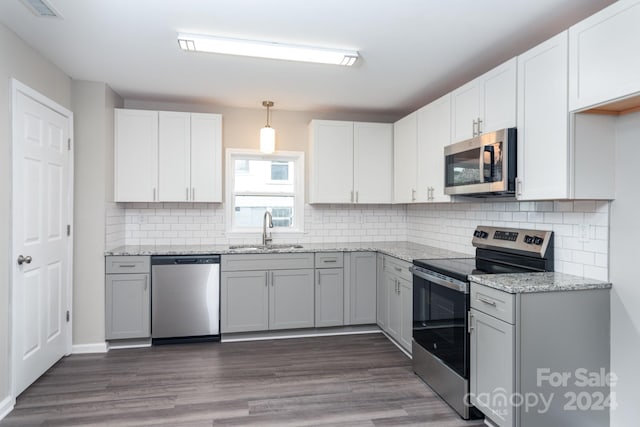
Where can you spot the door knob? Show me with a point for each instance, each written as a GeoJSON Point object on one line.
{"type": "Point", "coordinates": [24, 259]}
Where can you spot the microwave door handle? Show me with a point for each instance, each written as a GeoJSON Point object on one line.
{"type": "Point", "coordinates": [488, 149]}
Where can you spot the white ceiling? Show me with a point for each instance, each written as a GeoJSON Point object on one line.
{"type": "Point", "coordinates": [412, 51]}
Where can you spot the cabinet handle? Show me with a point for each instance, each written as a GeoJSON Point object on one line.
{"type": "Point", "coordinates": [266, 279]}
{"type": "Point", "coordinates": [486, 301]}
{"type": "Point", "coordinates": [413, 195]}
{"type": "Point", "coordinates": [357, 196]}
{"type": "Point", "coordinates": [479, 125]}
{"type": "Point", "coordinates": [398, 268]}
{"type": "Point", "coordinates": [329, 260]}
{"type": "Point", "coordinates": [193, 194]}
{"type": "Point", "coordinates": [470, 320]}
{"type": "Point", "coordinates": [474, 132]}
{"type": "Point", "coordinates": [518, 187]}
{"type": "Point", "coordinates": [352, 197]}
{"type": "Point", "coordinates": [145, 282]}
{"type": "Point", "coordinates": [272, 285]}
{"type": "Point", "coordinates": [126, 265]}
{"type": "Point", "coordinates": [154, 194]}
{"type": "Point", "coordinates": [187, 191]}
{"type": "Point", "coordinates": [318, 273]}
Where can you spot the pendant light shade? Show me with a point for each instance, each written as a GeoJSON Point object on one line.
{"type": "Point", "coordinates": [267, 133]}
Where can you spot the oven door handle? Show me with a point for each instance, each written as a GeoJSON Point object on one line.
{"type": "Point", "coordinates": [456, 285]}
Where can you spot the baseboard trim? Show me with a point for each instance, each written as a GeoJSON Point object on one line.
{"type": "Point", "coordinates": [299, 333]}
{"type": "Point", "coordinates": [6, 406]}
{"type": "Point", "coordinates": [394, 342]}
{"type": "Point", "coordinates": [100, 347]}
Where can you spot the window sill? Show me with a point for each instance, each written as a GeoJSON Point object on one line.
{"type": "Point", "coordinates": [258, 233]}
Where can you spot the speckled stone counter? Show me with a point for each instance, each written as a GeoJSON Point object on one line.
{"type": "Point", "coordinates": [405, 251]}
{"type": "Point", "coordinates": [517, 283]}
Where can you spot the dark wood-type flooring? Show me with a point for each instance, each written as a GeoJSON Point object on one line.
{"type": "Point", "coordinates": [356, 380]}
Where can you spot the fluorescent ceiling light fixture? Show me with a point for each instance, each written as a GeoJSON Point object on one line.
{"type": "Point", "coordinates": [262, 49]}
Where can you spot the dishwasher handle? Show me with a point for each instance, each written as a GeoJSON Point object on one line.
{"type": "Point", "coordinates": [184, 259]}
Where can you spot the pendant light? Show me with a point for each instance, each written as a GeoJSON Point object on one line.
{"type": "Point", "coordinates": [267, 133]}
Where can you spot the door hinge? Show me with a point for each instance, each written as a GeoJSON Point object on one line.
{"type": "Point", "coordinates": [68, 144]}
{"type": "Point", "coordinates": [68, 229]}
{"type": "Point", "coordinates": [68, 315]}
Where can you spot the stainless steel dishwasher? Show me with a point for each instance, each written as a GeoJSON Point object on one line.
{"type": "Point", "coordinates": [185, 298]}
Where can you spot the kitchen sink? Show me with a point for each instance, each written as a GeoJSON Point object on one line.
{"type": "Point", "coordinates": [250, 247]}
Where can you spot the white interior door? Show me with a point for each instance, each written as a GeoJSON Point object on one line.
{"type": "Point", "coordinates": [41, 203]}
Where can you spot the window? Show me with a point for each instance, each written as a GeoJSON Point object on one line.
{"type": "Point", "coordinates": [257, 183]}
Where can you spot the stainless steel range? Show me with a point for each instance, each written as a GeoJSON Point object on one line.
{"type": "Point", "coordinates": [441, 304]}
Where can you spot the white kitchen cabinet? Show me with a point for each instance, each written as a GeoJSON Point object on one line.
{"type": "Point", "coordinates": [404, 159]}
{"type": "Point", "coordinates": [362, 288]}
{"type": "Point", "coordinates": [136, 155]}
{"type": "Point", "coordinates": [181, 153]}
{"type": "Point", "coordinates": [519, 340]}
{"type": "Point", "coordinates": [604, 64]}
{"type": "Point", "coordinates": [485, 104]}
{"type": "Point", "coordinates": [350, 162]}
{"type": "Point", "coordinates": [560, 156]}
{"type": "Point", "coordinates": [291, 299]}
{"type": "Point", "coordinates": [244, 301]}
{"type": "Point", "coordinates": [128, 297]}
{"type": "Point", "coordinates": [329, 297]}
{"type": "Point", "coordinates": [433, 134]}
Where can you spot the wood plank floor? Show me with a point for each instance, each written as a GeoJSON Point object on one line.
{"type": "Point", "coordinates": [357, 380]}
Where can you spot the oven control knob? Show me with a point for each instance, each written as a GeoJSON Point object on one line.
{"type": "Point", "coordinates": [484, 234]}
{"type": "Point", "coordinates": [537, 240]}
{"type": "Point", "coordinates": [528, 239]}
{"type": "Point", "coordinates": [477, 233]}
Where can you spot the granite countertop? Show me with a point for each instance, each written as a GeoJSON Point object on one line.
{"type": "Point", "coordinates": [405, 251]}
{"type": "Point", "coordinates": [516, 283]}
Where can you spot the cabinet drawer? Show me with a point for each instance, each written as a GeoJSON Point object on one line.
{"type": "Point", "coordinates": [496, 303]}
{"type": "Point", "coordinates": [127, 264]}
{"type": "Point", "coordinates": [248, 262]}
{"type": "Point", "coordinates": [329, 260]}
{"type": "Point", "coordinates": [397, 267]}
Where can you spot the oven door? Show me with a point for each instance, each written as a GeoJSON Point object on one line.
{"type": "Point", "coordinates": [440, 308]}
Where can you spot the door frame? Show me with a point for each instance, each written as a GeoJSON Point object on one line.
{"type": "Point", "coordinates": [19, 87]}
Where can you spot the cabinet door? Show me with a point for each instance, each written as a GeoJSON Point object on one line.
{"type": "Point", "coordinates": [543, 134]}
{"type": "Point", "coordinates": [381, 293]}
{"type": "Point", "coordinates": [498, 97]}
{"type": "Point", "coordinates": [406, 313]}
{"type": "Point", "coordinates": [174, 148]}
{"type": "Point", "coordinates": [244, 301]}
{"type": "Point", "coordinates": [434, 133]}
{"type": "Point", "coordinates": [492, 367]}
{"type": "Point", "coordinates": [393, 306]}
{"type": "Point", "coordinates": [329, 297]}
{"type": "Point", "coordinates": [128, 306]}
{"type": "Point", "coordinates": [136, 156]}
{"type": "Point", "coordinates": [373, 162]}
{"type": "Point", "coordinates": [603, 56]}
{"type": "Point", "coordinates": [465, 110]}
{"type": "Point", "coordinates": [331, 162]}
{"type": "Point", "coordinates": [363, 288]}
{"type": "Point", "coordinates": [404, 159]}
{"type": "Point", "coordinates": [291, 299]}
{"type": "Point", "coordinates": [206, 158]}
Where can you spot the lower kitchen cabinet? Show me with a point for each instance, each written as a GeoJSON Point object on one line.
{"type": "Point", "coordinates": [362, 288]}
{"type": "Point", "coordinates": [329, 297]}
{"type": "Point", "coordinates": [128, 297]}
{"type": "Point", "coordinates": [397, 291]}
{"type": "Point", "coordinates": [244, 301]}
{"type": "Point", "coordinates": [291, 299]}
{"type": "Point", "coordinates": [381, 294]}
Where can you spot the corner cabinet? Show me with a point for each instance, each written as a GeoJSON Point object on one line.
{"type": "Point", "coordinates": [485, 104]}
{"type": "Point", "coordinates": [405, 140]}
{"type": "Point", "coordinates": [362, 288]}
{"type": "Point", "coordinates": [350, 162]}
{"type": "Point", "coordinates": [604, 64]}
{"type": "Point", "coordinates": [167, 156]}
{"type": "Point", "coordinates": [128, 297]}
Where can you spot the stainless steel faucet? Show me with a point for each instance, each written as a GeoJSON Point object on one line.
{"type": "Point", "coordinates": [266, 240]}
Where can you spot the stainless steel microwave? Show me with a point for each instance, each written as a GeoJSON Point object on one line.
{"type": "Point", "coordinates": [482, 166]}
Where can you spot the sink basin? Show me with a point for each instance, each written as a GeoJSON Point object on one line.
{"type": "Point", "coordinates": [250, 247]}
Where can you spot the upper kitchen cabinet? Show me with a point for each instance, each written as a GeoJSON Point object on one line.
{"type": "Point", "coordinates": [485, 104]}
{"type": "Point", "coordinates": [405, 140]}
{"type": "Point", "coordinates": [604, 64]}
{"type": "Point", "coordinates": [180, 153]}
{"type": "Point", "coordinates": [350, 162]}
{"type": "Point", "coordinates": [136, 155]}
{"type": "Point", "coordinates": [434, 133]}
{"type": "Point", "coordinates": [560, 156]}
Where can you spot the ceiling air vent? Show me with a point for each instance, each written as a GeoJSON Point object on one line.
{"type": "Point", "coordinates": [42, 8]}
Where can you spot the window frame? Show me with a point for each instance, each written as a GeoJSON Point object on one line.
{"type": "Point", "coordinates": [297, 157]}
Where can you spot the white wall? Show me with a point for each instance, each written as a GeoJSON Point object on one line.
{"type": "Point", "coordinates": [20, 61]}
{"type": "Point", "coordinates": [625, 294]}
{"type": "Point", "coordinates": [93, 104]}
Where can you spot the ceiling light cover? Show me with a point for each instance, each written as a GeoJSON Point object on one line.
{"type": "Point", "coordinates": [267, 133]}
{"type": "Point", "coordinates": [262, 49]}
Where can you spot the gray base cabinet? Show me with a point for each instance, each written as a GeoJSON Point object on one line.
{"type": "Point", "coordinates": [291, 299]}
{"type": "Point", "coordinates": [329, 297]}
{"type": "Point", "coordinates": [362, 288]}
{"type": "Point", "coordinates": [244, 301]}
{"type": "Point", "coordinates": [546, 345]}
{"type": "Point", "coordinates": [128, 297]}
{"type": "Point", "coordinates": [396, 289]}
{"type": "Point", "coordinates": [381, 293]}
